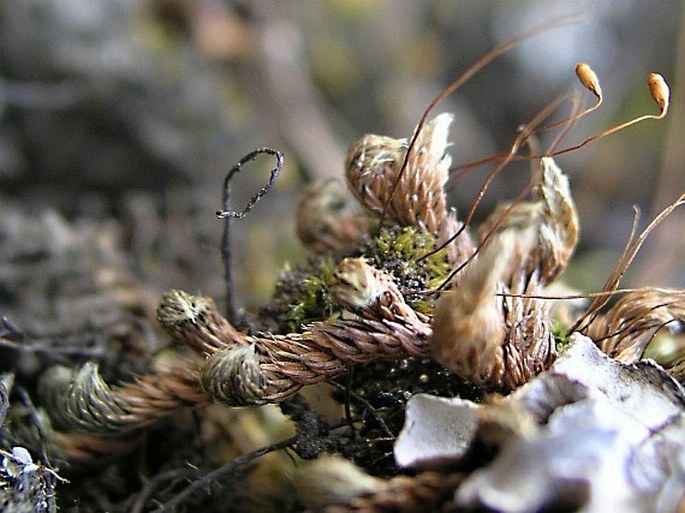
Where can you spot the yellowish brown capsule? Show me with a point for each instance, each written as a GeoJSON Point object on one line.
{"type": "Point", "coordinates": [588, 79]}
{"type": "Point", "coordinates": [659, 91]}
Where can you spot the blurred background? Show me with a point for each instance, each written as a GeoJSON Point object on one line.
{"type": "Point", "coordinates": [120, 118]}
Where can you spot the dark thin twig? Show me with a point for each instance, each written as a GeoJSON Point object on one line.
{"type": "Point", "coordinates": [221, 472]}
{"type": "Point", "coordinates": [226, 214]}
{"type": "Point", "coordinates": [347, 392]}
{"type": "Point", "coordinates": [53, 350]}
{"type": "Point", "coordinates": [33, 414]}
{"type": "Point", "coordinates": [367, 404]}
{"type": "Point", "coordinates": [58, 343]}
{"type": "Point", "coordinates": [152, 485]}
{"type": "Point", "coordinates": [9, 330]}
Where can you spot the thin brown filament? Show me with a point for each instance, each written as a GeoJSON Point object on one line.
{"type": "Point", "coordinates": [570, 123]}
{"type": "Point", "coordinates": [607, 133]}
{"type": "Point", "coordinates": [463, 171]}
{"type": "Point", "coordinates": [659, 93]}
{"type": "Point", "coordinates": [460, 170]}
{"type": "Point", "coordinates": [521, 139]}
{"type": "Point", "coordinates": [590, 85]}
{"type": "Point", "coordinates": [466, 76]}
{"type": "Point", "coordinates": [489, 234]}
{"type": "Point", "coordinates": [629, 253]}
{"type": "Point", "coordinates": [570, 120]}
{"type": "Point", "coordinates": [591, 139]}
{"type": "Point", "coordinates": [613, 280]}
{"type": "Point", "coordinates": [658, 89]}
{"type": "Point", "coordinates": [526, 132]}
{"type": "Point", "coordinates": [588, 295]}
{"type": "Point", "coordinates": [630, 329]}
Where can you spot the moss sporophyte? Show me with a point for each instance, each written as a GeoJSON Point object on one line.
{"type": "Point", "coordinates": [410, 280]}
{"type": "Point", "coordinates": [393, 275]}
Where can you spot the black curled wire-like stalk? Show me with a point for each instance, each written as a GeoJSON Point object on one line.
{"type": "Point", "coordinates": [227, 215]}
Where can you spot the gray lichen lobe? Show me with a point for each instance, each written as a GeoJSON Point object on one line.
{"type": "Point", "coordinates": [606, 437]}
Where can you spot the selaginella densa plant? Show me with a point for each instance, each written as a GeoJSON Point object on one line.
{"type": "Point", "coordinates": [393, 273]}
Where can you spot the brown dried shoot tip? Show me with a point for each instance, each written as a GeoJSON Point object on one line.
{"type": "Point", "coordinates": [405, 187]}
{"type": "Point", "coordinates": [179, 307]}
{"type": "Point", "coordinates": [370, 293]}
{"type": "Point", "coordinates": [332, 479]}
{"type": "Point", "coordinates": [371, 166]}
{"type": "Point", "coordinates": [357, 286]}
{"type": "Point", "coordinates": [486, 337]}
{"type": "Point", "coordinates": [630, 325]}
{"type": "Point", "coordinates": [195, 321]}
{"type": "Point", "coordinates": [328, 219]}
{"type": "Point", "coordinates": [589, 80]}
{"type": "Point", "coordinates": [468, 326]}
{"type": "Point", "coordinates": [234, 377]}
{"type": "Point", "coordinates": [660, 91]}
{"type": "Point", "coordinates": [559, 228]}
{"type": "Point", "coordinates": [82, 400]}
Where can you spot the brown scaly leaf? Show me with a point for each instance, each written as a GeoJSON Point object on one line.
{"type": "Point", "coordinates": [416, 195]}
{"type": "Point", "coordinates": [328, 220]}
{"type": "Point", "coordinates": [547, 228]}
{"type": "Point", "coordinates": [628, 326]}
{"type": "Point", "coordinates": [485, 329]}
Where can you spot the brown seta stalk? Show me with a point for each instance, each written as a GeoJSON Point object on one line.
{"type": "Point", "coordinates": [630, 251]}
{"type": "Point", "coordinates": [470, 72]}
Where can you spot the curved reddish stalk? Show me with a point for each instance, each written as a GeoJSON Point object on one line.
{"type": "Point", "coordinates": [466, 76]}
{"type": "Point", "coordinates": [632, 247]}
